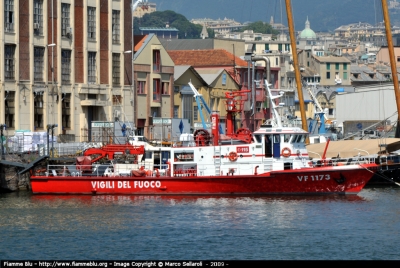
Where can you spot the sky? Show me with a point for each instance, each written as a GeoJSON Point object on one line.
{"type": "Point", "coordinates": [324, 15]}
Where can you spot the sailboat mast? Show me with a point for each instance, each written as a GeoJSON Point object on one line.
{"type": "Point", "coordinates": [392, 62]}
{"type": "Point", "coordinates": [296, 64]}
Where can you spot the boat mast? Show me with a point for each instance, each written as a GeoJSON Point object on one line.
{"type": "Point", "coordinates": [296, 65]}
{"type": "Point", "coordinates": [392, 62]}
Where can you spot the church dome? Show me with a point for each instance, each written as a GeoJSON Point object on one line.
{"type": "Point", "coordinates": [307, 33]}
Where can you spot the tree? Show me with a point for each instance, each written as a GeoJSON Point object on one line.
{"type": "Point", "coordinates": [260, 27]}
{"type": "Point", "coordinates": [161, 19]}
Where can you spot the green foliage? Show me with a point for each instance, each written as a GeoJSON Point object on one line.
{"type": "Point", "coordinates": [160, 19]}
{"type": "Point", "coordinates": [260, 27]}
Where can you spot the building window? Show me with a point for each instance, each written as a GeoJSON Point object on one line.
{"type": "Point", "coordinates": [38, 64]}
{"type": "Point", "coordinates": [308, 54]}
{"type": "Point", "coordinates": [344, 75]}
{"type": "Point", "coordinates": [38, 110]}
{"type": "Point", "coordinates": [66, 111]}
{"type": "Point", "coordinates": [66, 66]}
{"type": "Point", "coordinates": [117, 100]}
{"type": "Point", "coordinates": [280, 47]}
{"type": "Point", "coordinates": [156, 61]}
{"type": "Point", "coordinates": [141, 87]}
{"type": "Point", "coordinates": [328, 66]}
{"type": "Point", "coordinates": [9, 109]}
{"type": "Point", "coordinates": [224, 79]}
{"type": "Point", "coordinates": [156, 90]}
{"type": "Point", "coordinates": [116, 68]}
{"type": "Point", "coordinates": [92, 67]}
{"type": "Point", "coordinates": [92, 23]}
{"type": "Point", "coordinates": [165, 88]}
{"type": "Point", "coordinates": [336, 66]}
{"type": "Point", "coordinates": [398, 59]}
{"type": "Point", "coordinates": [115, 26]}
{"type": "Point", "coordinates": [287, 47]}
{"type": "Point", "coordinates": [266, 46]}
{"type": "Point", "coordinates": [9, 16]}
{"type": "Point", "coordinates": [176, 111]}
{"type": "Point", "coordinates": [65, 20]}
{"type": "Point", "coordinates": [308, 64]}
{"type": "Point", "coordinates": [187, 107]}
{"type": "Point", "coordinates": [328, 75]}
{"type": "Point", "coordinates": [9, 62]}
{"type": "Point", "coordinates": [259, 105]}
{"type": "Point", "coordinates": [276, 61]}
{"type": "Point", "coordinates": [345, 66]}
{"type": "Point", "coordinates": [195, 113]}
{"type": "Point", "coordinates": [38, 17]}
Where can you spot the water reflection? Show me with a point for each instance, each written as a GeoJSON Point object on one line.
{"type": "Point", "coordinates": [212, 200]}
{"type": "Point", "coordinates": [202, 227]}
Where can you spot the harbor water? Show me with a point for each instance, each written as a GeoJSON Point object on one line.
{"type": "Point", "coordinates": [42, 227]}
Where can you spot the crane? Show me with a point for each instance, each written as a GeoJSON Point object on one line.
{"type": "Point", "coordinates": [200, 100]}
{"type": "Point", "coordinates": [318, 112]}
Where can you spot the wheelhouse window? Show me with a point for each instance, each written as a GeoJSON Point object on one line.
{"type": "Point", "coordinates": [92, 23]}
{"type": "Point", "coordinates": [9, 62]}
{"type": "Point", "coordinates": [156, 90]}
{"type": "Point", "coordinates": [38, 64]}
{"type": "Point", "coordinates": [92, 67]}
{"type": "Point", "coordinates": [116, 26]}
{"type": "Point", "coordinates": [38, 17]}
{"type": "Point", "coordinates": [66, 66]}
{"type": "Point", "coordinates": [116, 71]}
{"type": "Point", "coordinates": [156, 61]}
{"type": "Point", "coordinates": [9, 16]}
{"type": "Point", "coordinates": [65, 20]}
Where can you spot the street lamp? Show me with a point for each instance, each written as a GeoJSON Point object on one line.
{"type": "Point", "coordinates": [132, 82]}
{"type": "Point", "coordinates": [52, 45]}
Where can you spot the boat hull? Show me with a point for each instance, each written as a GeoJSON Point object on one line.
{"type": "Point", "coordinates": [323, 180]}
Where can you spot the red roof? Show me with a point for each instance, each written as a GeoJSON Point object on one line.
{"type": "Point", "coordinates": [138, 41]}
{"type": "Point", "coordinates": [206, 58]}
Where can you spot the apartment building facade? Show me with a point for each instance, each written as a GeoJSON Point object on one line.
{"type": "Point", "coordinates": [66, 63]}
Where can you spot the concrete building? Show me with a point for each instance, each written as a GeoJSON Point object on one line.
{"type": "Point", "coordinates": [144, 8]}
{"type": "Point", "coordinates": [382, 57]}
{"type": "Point", "coordinates": [63, 63]}
{"type": "Point", "coordinates": [154, 80]}
{"type": "Point", "coordinates": [219, 26]}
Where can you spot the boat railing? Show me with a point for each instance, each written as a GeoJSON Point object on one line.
{"type": "Point", "coordinates": [105, 169]}
{"type": "Point", "coordinates": [343, 161]}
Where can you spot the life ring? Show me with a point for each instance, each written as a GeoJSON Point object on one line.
{"type": "Point", "coordinates": [286, 152]}
{"type": "Point", "coordinates": [233, 156]}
